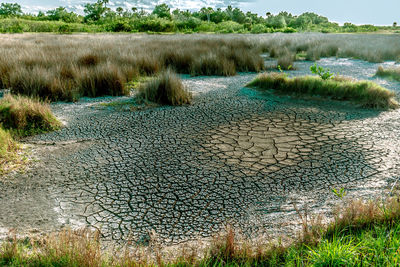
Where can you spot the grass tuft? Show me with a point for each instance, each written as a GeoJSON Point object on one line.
{"type": "Point", "coordinates": [165, 89]}
{"type": "Point", "coordinates": [391, 73]}
{"type": "Point", "coordinates": [286, 62]}
{"type": "Point", "coordinates": [24, 116]}
{"type": "Point", "coordinates": [366, 93]}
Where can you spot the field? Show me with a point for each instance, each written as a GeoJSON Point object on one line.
{"type": "Point", "coordinates": [173, 137]}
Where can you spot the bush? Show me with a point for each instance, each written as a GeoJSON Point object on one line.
{"type": "Point", "coordinates": [289, 30]}
{"type": "Point", "coordinates": [366, 93]}
{"type": "Point", "coordinates": [229, 27]}
{"type": "Point", "coordinates": [206, 27]}
{"type": "Point", "coordinates": [259, 28]}
{"type": "Point", "coordinates": [25, 116]}
{"type": "Point", "coordinates": [165, 89]}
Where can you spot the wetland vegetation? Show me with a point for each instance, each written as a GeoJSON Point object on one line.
{"type": "Point", "coordinates": [38, 69]}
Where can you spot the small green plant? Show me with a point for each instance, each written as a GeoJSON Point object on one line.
{"type": "Point", "coordinates": [341, 193]}
{"type": "Point", "coordinates": [325, 74]}
{"type": "Point", "coordinates": [280, 68]}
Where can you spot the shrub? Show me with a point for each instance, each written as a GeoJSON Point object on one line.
{"type": "Point", "coordinates": [206, 27]}
{"type": "Point", "coordinates": [366, 93]}
{"type": "Point", "coordinates": [259, 28]}
{"type": "Point", "coordinates": [25, 116]}
{"type": "Point", "coordinates": [392, 73]}
{"type": "Point", "coordinates": [229, 27]}
{"type": "Point", "coordinates": [165, 89]}
{"type": "Point", "coordinates": [324, 74]}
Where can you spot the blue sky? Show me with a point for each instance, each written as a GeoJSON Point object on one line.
{"type": "Point", "coordinates": [379, 12]}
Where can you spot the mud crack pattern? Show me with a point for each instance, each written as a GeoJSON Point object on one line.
{"type": "Point", "coordinates": [186, 171]}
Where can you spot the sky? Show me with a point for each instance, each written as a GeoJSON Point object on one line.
{"type": "Point", "coordinates": [378, 12]}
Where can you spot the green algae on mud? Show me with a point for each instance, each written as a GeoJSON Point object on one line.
{"type": "Point", "coordinates": [365, 93]}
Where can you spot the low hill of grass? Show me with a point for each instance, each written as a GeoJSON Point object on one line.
{"type": "Point", "coordinates": [365, 93]}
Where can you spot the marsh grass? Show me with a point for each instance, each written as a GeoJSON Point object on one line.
{"type": "Point", "coordinates": [369, 47]}
{"type": "Point", "coordinates": [58, 68]}
{"type": "Point", "coordinates": [165, 89]}
{"type": "Point", "coordinates": [391, 73]}
{"type": "Point", "coordinates": [24, 116]}
{"type": "Point", "coordinates": [67, 67]}
{"type": "Point", "coordinates": [286, 62]}
{"type": "Point", "coordinates": [365, 93]}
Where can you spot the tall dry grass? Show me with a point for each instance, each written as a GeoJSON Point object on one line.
{"type": "Point", "coordinates": [68, 67]}
{"type": "Point", "coordinates": [368, 47]}
{"type": "Point", "coordinates": [60, 67]}
{"type": "Point", "coordinates": [24, 116]}
{"type": "Point", "coordinates": [165, 89]}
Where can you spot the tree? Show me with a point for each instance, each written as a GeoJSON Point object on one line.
{"type": "Point", "coordinates": [61, 13]}
{"type": "Point", "coordinates": [96, 10]}
{"type": "Point", "coordinates": [162, 11]}
{"type": "Point", "coordinates": [119, 10]}
{"type": "Point", "coordinates": [238, 16]}
{"type": "Point", "coordinates": [206, 12]}
{"type": "Point", "coordinates": [394, 24]}
{"type": "Point", "coordinates": [9, 9]}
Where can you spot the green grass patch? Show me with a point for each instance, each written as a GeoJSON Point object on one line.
{"type": "Point", "coordinates": [365, 93]}
{"type": "Point", "coordinates": [391, 73]}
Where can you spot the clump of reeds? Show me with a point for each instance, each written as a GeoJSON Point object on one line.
{"type": "Point", "coordinates": [24, 116]}
{"type": "Point", "coordinates": [165, 89]}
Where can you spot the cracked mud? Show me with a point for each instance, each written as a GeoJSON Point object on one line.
{"type": "Point", "coordinates": [235, 156]}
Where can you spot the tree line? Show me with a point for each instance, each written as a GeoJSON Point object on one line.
{"type": "Point", "coordinates": [99, 17]}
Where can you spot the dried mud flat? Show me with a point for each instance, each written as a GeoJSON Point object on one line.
{"type": "Point", "coordinates": [235, 156]}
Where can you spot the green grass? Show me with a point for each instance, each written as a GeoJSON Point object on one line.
{"type": "Point", "coordinates": [391, 73]}
{"type": "Point", "coordinates": [365, 93]}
